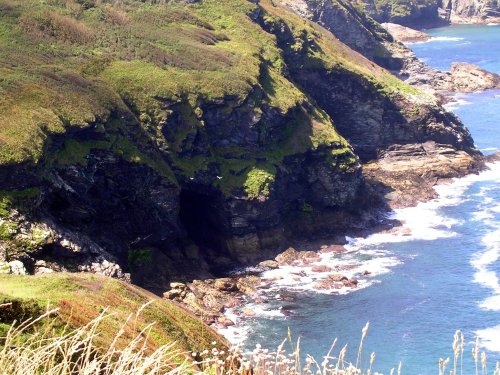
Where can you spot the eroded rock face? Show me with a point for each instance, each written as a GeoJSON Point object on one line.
{"type": "Point", "coordinates": [471, 11]}
{"type": "Point", "coordinates": [350, 26]}
{"type": "Point", "coordinates": [406, 174]}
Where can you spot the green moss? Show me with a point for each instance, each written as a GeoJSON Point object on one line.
{"type": "Point", "coordinates": [139, 257]}
{"type": "Point", "coordinates": [16, 198]}
{"type": "Point", "coordinates": [74, 152]}
{"type": "Point", "coordinates": [258, 181]}
{"type": "Point", "coordinates": [7, 229]}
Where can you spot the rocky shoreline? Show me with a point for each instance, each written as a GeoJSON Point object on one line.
{"type": "Point", "coordinates": [327, 266]}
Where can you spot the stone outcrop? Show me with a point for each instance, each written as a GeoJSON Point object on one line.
{"type": "Point", "coordinates": [406, 174]}
{"type": "Point", "coordinates": [405, 34]}
{"type": "Point", "coordinates": [471, 78]}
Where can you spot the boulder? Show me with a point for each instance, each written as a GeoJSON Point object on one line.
{"type": "Point", "coordinates": [337, 277]}
{"type": "Point", "coordinates": [17, 268]}
{"type": "Point", "coordinates": [225, 284]}
{"type": "Point", "coordinates": [288, 257]}
{"type": "Point", "coordinates": [225, 321]}
{"type": "Point", "coordinates": [271, 264]}
{"type": "Point", "coordinates": [248, 284]}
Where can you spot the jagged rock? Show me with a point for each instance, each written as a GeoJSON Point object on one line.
{"type": "Point", "coordinates": [471, 11]}
{"type": "Point", "coordinates": [43, 270]}
{"type": "Point", "coordinates": [288, 257]}
{"type": "Point", "coordinates": [337, 277]}
{"type": "Point", "coordinates": [248, 284]}
{"type": "Point", "coordinates": [17, 268]}
{"type": "Point", "coordinates": [225, 321]}
{"type": "Point", "coordinates": [226, 284]}
{"type": "Point", "coordinates": [351, 283]}
{"type": "Point", "coordinates": [408, 173]}
{"type": "Point", "coordinates": [106, 268]}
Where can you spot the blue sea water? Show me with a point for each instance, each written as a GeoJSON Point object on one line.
{"type": "Point", "coordinates": [441, 275]}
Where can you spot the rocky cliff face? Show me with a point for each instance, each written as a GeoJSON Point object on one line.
{"type": "Point", "coordinates": [432, 13]}
{"type": "Point", "coordinates": [470, 11]}
{"type": "Point", "coordinates": [416, 14]}
{"type": "Point", "coordinates": [195, 137]}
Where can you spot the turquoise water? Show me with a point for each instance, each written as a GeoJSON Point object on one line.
{"type": "Point", "coordinates": [424, 285]}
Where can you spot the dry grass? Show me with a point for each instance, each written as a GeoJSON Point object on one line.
{"type": "Point", "coordinates": [37, 347]}
{"type": "Point", "coordinates": [56, 26]}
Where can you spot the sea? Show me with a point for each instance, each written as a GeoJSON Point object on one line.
{"type": "Point", "coordinates": [438, 274]}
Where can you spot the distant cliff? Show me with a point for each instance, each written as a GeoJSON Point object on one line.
{"type": "Point", "coordinates": [431, 13]}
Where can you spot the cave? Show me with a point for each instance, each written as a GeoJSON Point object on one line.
{"type": "Point", "coordinates": [202, 216]}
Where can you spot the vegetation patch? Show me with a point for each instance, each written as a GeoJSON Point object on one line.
{"type": "Point", "coordinates": [258, 181]}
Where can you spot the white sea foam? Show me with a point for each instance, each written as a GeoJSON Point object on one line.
{"type": "Point", "coordinates": [490, 338]}
{"type": "Point", "coordinates": [457, 102]}
{"type": "Point", "coordinates": [236, 334]}
{"type": "Point", "coordinates": [484, 275]}
{"type": "Point", "coordinates": [367, 258]}
{"type": "Point", "coordinates": [446, 39]}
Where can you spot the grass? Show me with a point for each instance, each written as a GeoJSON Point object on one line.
{"type": "Point", "coordinates": [41, 345]}
{"type": "Point", "coordinates": [81, 298]}
{"type": "Point", "coordinates": [144, 75]}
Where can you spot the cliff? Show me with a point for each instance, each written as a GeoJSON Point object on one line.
{"type": "Point", "coordinates": [470, 11]}
{"type": "Point", "coordinates": [432, 13]}
{"type": "Point", "coordinates": [155, 142]}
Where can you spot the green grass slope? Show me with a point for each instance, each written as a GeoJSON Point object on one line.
{"type": "Point", "coordinates": [82, 297]}
{"type": "Point", "coordinates": [71, 64]}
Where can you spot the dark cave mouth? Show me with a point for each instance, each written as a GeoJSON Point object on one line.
{"type": "Point", "coordinates": [202, 216]}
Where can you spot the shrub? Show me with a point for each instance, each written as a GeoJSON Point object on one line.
{"type": "Point", "coordinates": [52, 25]}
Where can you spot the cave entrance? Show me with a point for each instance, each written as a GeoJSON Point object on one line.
{"type": "Point", "coordinates": [203, 217]}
